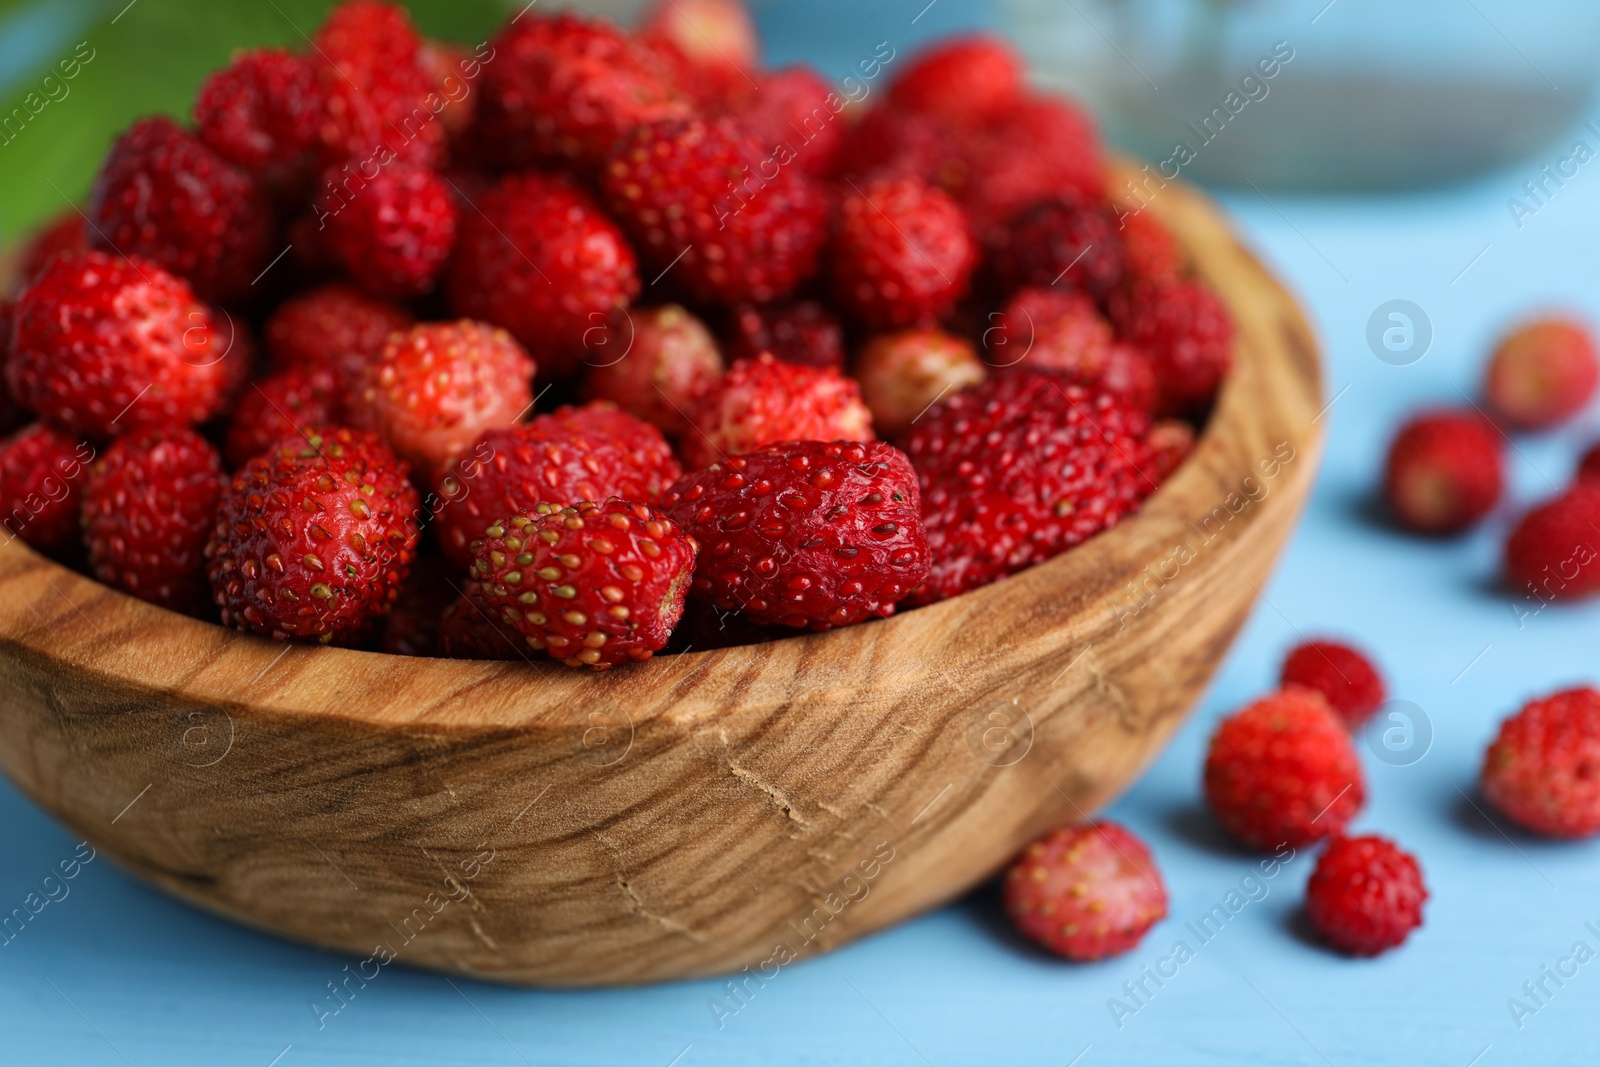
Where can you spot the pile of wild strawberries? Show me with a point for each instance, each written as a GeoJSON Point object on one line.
{"type": "Point", "coordinates": [799, 355]}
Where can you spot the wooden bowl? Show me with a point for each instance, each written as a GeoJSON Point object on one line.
{"type": "Point", "coordinates": [692, 815]}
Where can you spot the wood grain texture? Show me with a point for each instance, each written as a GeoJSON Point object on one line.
{"type": "Point", "coordinates": [692, 815]}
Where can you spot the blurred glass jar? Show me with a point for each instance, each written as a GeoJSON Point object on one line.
{"type": "Point", "coordinates": [1347, 94]}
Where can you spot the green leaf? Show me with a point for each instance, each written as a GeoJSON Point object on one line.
{"type": "Point", "coordinates": [146, 58]}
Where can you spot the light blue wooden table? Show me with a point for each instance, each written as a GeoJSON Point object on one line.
{"type": "Point", "coordinates": [115, 973]}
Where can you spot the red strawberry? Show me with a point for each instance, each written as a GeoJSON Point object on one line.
{"type": "Point", "coordinates": [264, 112]}
{"type": "Point", "coordinates": [1365, 896]}
{"type": "Point", "coordinates": [42, 472]}
{"type": "Point", "coordinates": [63, 234]}
{"type": "Point", "coordinates": [391, 234]}
{"type": "Point", "coordinates": [806, 534]}
{"type": "Point", "coordinates": [1543, 770]}
{"type": "Point", "coordinates": [539, 258]}
{"type": "Point", "coordinates": [804, 332]}
{"type": "Point", "coordinates": [1149, 247]}
{"type": "Point", "coordinates": [1345, 678]}
{"type": "Point", "coordinates": [594, 585]}
{"type": "Point", "coordinates": [277, 407]}
{"type": "Point", "coordinates": [469, 630]}
{"type": "Point", "coordinates": [1186, 330]}
{"type": "Point", "coordinates": [1018, 470]}
{"type": "Point", "coordinates": [162, 194]}
{"type": "Point", "coordinates": [763, 400]}
{"type": "Point", "coordinates": [562, 90]}
{"type": "Point", "coordinates": [370, 64]}
{"type": "Point", "coordinates": [795, 112]}
{"type": "Point", "coordinates": [713, 43]}
{"type": "Point", "coordinates": [709, 208]}
{"type": "Point", "coordinates": [1554, 552]}
{"type": "Point", "coordinates": [590, 453]}
{"type": "Point", "coordinates": [1444, 472]}
{"type": "Point", "coordinates": [1061, 331]}
{"type": "Point", "coordinates": [334, 329]}
{"type": "Point", "coordinates": [313, 542]}
{"type": "Point", "coordinates": [901, 253]}
{"type": "Point", "coordinates": [1171, 443]}
{"type": "Point", "coordinates": [904, 374]}
{"type": "Point", "coordinates": [148, 508]}
{"type": "Point", "coordinates": [1042, 147]}
{"type": "Point", "coordinates": [450, 72]}
{"type": "Point", "coordinates": [1069, 240]}
{"type": "Point", "coordinates": [656, 363]}
{"type": "Point", "coordinates": [437, 388]}
{"type": "Point", "coordinates": [104, 346]}
{"type": "Point", "coordinates": [1085, 892]}
{"type": "Point", "coordinates": [968, 79]}
{"type": "Point", "coordinates": [1543, 374]}
{"type": "Point", "coordinates": [1283, 771]}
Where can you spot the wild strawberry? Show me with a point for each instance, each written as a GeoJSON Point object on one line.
{"type": "Point", "coordinates": [1365, 896]}
{"type": "Point", "coordinates": [1542, 375]}
{"type": "Point", "coordinates": [312, 542]}
{"type": "Point", "coordinates": [148, 508]}
{"type": "Point", "coordinates": [572, 455]}
{"type": "Point", "coordinates": [656, 364]}
{"type": "Point", "coordinates": [370, 63]}
{"type": "Point", "coordinates": [968, 79]}
{"type": "Point", "coordinates": [263, 112]}
{"type": "Point", "coordinates": [163, 195]}
{"type": "Point", "coordinates": [713, 41]}
{"type": "Point", "coordinates": [904, 374]}
{"type": "Point", "coordinates": [278, 407]}
{"type": "Point", "coordinates": [1068, 240]}
{"type": "Point", "coordinates": [806, 534]}
{"type": "Point", "coordinates": [391, 234]}
{"type": "Point", "coordinates": [1283, 771]}
{"type": "Point", "coordinates": [63, 234]}
{"type": "Point", "coordinates": [888, 142]}
{"type": "Point", "coordinates": [1018, 470]}
{"type": "Point", "coordinates": [795, 113]}
{"type": "Point", "coordinates": [1040, 148]}
{"type": "Point", "coordinates": [594, 585]}
{"type": "Point", "coordinates": [105, 346]}
{"type": "Point", "coordinates": [42, 472]}
{"type": "Point", "coordinates": [562, 90]}
{"type": "Point", "coordinates": [1085, 892]}
{"type": "Point", "coordinates": [334, 329]}
{"type": "Point", "coordinates": [1345, 678]}
{"type": "Point", "coordinates": [437, 388]}
{"type": "Point", "coordinates": [707, 206]}
{"type": "Point", "coordinates": [1061, 331]}
{"type": "Point", "coordinates": [901, 253]}
{"type": "Point", "coordinates": [1150, 249]}
{"type": "Point", "coordinates": [1171, 443]}
{"type": "Point", "coordinates": [540, 259]}
{"type": "Point", "coordinates": [1444, 472]}
{"type": "Point", "coordinates": [763, 400]}
{"type": "Point", "coordinates": [470, 630]}
{"type": "Point", "coordinates": [1543, 770]}
{"type": "Point", "coordinates": [1554, 552]}
{"type": "Point", "coordinates": [1186, 330]}
{"type": "Point", "coordinates": [804, 332]}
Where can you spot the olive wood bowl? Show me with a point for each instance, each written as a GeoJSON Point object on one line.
{"type": "Point", "coordinates": [692, 815]}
